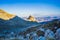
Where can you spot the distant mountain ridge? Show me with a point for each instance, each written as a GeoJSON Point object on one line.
{"type": "Point", "coordinates": [15, 24]}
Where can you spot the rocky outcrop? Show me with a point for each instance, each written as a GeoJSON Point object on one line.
{"type": "Point", "coordinates": [31, 18]}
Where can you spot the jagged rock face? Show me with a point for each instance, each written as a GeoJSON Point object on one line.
{"type": "Point", "coordinates": [5, 16]}
{"type": "Point", "coordinates": [31, 18]}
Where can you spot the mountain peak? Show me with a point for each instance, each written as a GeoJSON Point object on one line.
{"type": "Point", "coordinates": [5, 16]}
{"type": "Point", "coordinates": [31, 18]}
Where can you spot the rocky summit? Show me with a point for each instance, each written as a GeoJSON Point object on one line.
{"type": "Point", "coordinates": [31, 18]}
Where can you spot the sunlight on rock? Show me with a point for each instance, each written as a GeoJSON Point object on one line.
{"type": "Point", "coordinates": [6, 16]}
{"type": "Point", "coordinates": [31, 18]}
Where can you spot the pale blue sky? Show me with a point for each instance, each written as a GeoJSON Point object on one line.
{"type": "Point", "coordinates": [31, 7]}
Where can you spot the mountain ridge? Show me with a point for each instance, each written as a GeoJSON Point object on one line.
{"type": "Point", "coordinates": [15, 24]}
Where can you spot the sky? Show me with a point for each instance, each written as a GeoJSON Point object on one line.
{"type": "Point", "coordinates": [24, 8]}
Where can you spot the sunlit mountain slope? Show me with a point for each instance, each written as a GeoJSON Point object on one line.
{"type": "Point", "coordinates": [5, 16]}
